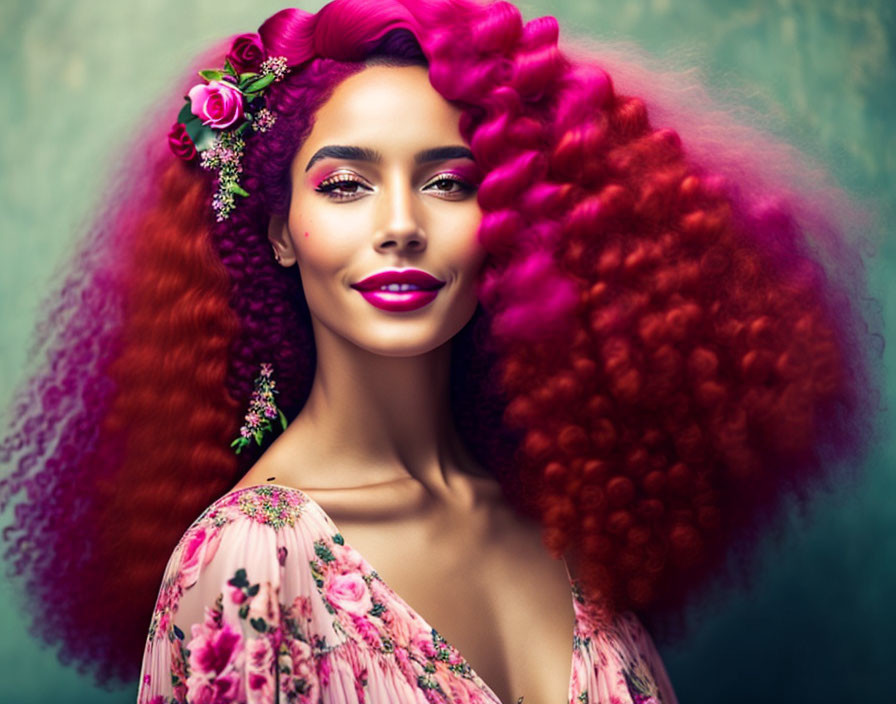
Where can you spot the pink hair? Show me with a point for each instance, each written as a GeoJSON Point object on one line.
{"type": "Point", "coordinates": [671, 334]}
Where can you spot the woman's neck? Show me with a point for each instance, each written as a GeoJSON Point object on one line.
{"type": "Point", "coordinates": [372, 419]}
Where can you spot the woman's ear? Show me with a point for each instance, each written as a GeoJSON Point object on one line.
{"type": "Point", "coordinates": [278, 234]}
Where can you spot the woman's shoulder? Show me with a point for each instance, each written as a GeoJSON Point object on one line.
{"type": "Point", "coordinates": [264, 599]}
{"type": "Point", "coordinates": [242, 509]}
{"type": "Point", "coordinates": [271, 505]}
{"type": "Point", "coordinates": [249, 529]}
{"type": "Point", "coordinates": [230, 589]}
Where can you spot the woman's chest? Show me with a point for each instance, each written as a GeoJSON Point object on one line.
{"type": "Point", "coordinates": [492, 591]}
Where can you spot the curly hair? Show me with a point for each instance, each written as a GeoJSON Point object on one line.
{"type": "Point", "coordinates": [660, 356]}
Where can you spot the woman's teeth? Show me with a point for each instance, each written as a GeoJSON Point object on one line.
{"type": "Point", "coordinates": [399, 287]}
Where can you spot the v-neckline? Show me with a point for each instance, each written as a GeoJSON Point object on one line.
{"type": "Point", "coordinates": [411, 610]}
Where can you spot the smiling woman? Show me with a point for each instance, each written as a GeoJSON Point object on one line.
{"type": "Point", "coordinates": [372, 211]}
{"type": "Point", "coordinates": [543, 368]}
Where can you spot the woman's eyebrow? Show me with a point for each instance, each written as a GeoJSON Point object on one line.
{"type": "Point", "coordinates": [364, 154]}
{"type": "Point", "coordinates": [443, 154]}
{"type": "Point", "coordinates": [349, 153]}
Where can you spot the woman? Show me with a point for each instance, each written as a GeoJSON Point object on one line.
{"type": "Point", "coordinates": [656, 355]}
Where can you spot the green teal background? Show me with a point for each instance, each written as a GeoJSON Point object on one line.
{"type": "Point", "coordinates": [818, 624]}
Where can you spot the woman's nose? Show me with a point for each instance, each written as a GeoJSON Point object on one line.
{"type": "Point", "coordinates": [400, 225]}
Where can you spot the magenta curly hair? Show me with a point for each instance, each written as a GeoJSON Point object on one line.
{"type": "Point", "coordinates": [671, 339]}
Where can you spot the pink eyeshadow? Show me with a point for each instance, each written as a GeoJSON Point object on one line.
{"type": "Point", "coordinates": [472, 173]}
{"type": "Point", "coordinates": [318, 176]}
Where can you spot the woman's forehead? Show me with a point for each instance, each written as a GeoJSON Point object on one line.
{"type": "Point", "coordinates": [385, 108]}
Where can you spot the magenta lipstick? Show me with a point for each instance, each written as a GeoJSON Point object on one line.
{"type": "Point", "coordinates": [399, 290]}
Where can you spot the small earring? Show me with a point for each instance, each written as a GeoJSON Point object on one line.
{"type": "Point", "coordinates": [277, 256]}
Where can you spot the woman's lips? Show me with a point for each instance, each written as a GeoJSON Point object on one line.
{"type": "Point", "coordinates": [408, 300]}
{"type": "Point", "coordinates": [399, 290]}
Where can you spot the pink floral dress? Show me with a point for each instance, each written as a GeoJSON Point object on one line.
{"type": "Point", "coordinates": [263, 601]}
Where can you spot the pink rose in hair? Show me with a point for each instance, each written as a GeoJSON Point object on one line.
{"type": "Point", "coordinates": [246, 53]}
{"type": "Point", "coordinates": [180, 142]}
{"type": "Point", "coordinates": [218, 104]}
{"type": "Point", "coordinates": [349, 593]}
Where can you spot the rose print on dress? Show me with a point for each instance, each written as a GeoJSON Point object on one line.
{"type": "Point", "coordinates": [216, 661]}
{"type": "Point", "coordinates": [348, 592]}
{"type": "Point", "coordinates": [300, 617]}
{"type": "Point", "coordinates": [198, 550]}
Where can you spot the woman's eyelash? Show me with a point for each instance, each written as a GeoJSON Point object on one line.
{"type": "Point", "coordinates": [331, 186]}
{"type": "Point", "coordinates": [347, 186]}
{"type": "Point", "coordinates": [464, 185]}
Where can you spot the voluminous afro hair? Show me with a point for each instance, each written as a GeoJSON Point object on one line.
{"type": "Point", "coordinates": [668, 343]}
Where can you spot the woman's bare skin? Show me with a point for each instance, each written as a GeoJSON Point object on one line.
{"type": "Point", "coordinates": [473, 570]}
{"type": "Point", "coordinates": [375, 444]}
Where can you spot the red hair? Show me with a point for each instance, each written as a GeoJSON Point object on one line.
{"type": "Point", "coordinates": [699, 379]}
{"type": "Point", "coordinates": [171, 416]}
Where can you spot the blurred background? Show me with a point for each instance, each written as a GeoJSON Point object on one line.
{"type": "Point", "coordinates": [817, 625]}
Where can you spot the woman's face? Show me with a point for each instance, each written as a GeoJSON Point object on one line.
{"type": "Point", "coordinates": [385, 187]}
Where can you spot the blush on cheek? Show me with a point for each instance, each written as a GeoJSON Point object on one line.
{"type": "Point", "coordinates": [306, 234]}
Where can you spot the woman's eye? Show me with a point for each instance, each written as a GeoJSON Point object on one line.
{"type": "Point", "coordinates": [451, 186]}
{"type": "Point", "coordinates": [342, 187]}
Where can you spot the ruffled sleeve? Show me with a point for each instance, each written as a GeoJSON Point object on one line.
{"type": "Point", "coordinates": [614, 659]}
{"type": "Point", "coordinates": [233, 619]}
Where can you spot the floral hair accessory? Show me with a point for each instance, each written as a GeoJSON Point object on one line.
{"type": "Point", "coordinates": [262, 411]}
{"type": "Point", "coordinates": [217, 114]}
{"type": "Point", "coordinates": [246, 53]}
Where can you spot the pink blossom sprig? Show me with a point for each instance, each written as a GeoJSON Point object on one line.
{"type": "Point", "coordinates": [262, 411]}
{"type": "Point", "coordinates": [217, 113]}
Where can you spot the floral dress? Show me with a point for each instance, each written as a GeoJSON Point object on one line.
{"type": "Point", "coordinates": [263, 601]}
